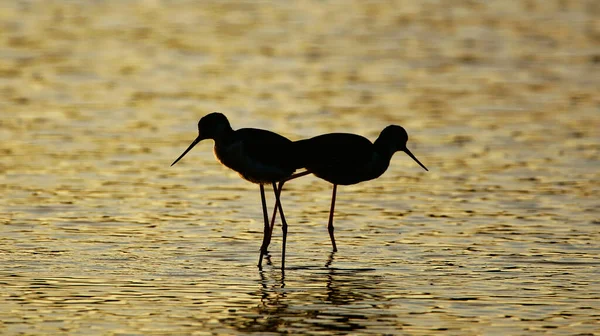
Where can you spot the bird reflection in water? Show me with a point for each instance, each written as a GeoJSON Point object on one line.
{"type": "Point", "coordinates": [325, 299]}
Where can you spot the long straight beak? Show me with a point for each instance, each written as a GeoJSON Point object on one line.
{"type": "Point", "coordinates": [198, 139]}
{"type": "Point", "coordinates": [413, 157]}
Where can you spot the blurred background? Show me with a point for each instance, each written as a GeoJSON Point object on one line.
{"type": "Point", "coordinates": [500, 100]}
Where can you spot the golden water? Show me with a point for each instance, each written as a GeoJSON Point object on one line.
{"type": "Point", "coordinates": [98, 235]}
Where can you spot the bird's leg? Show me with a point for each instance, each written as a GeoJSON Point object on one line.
{"type": "Point", "coordinates": [306, 172]}
{"type": "Point", "coordinates": [277, 205]}
{"type": "Point", "coordinates": [267, 229]}
{"type": "Point", "coordinates": [284, 225]}
{"type": "Point", "coordinates": [300, 174]}
{"type": "Point", "coordinates": [267, 239]}
{"type": "Point", "coordinates": [330, 225]}
{"type": "Point", "coordinates": [272, 225]}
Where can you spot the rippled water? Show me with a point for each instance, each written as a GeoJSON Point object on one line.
{"type": "Point", "coordinates": [100, 236]}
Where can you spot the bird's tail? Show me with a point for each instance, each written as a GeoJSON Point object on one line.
{"type": "Point", "coordinates": [300, 154]}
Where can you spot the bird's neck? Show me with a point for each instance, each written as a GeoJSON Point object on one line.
{"type": "Point", "coordinates": [225, 148]}
{"type": "Point", "coordinates": [384, 149]}
{"type": "Point", "coordinates": [382, 155]}
{"type": "Point", "coordinates": [224, 137]}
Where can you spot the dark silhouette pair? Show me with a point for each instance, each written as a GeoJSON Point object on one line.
{"type": "Point", "coordinates": [265, 157]}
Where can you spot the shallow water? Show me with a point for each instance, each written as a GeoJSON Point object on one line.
{"type": "Point", "coordinates": [100, 236]}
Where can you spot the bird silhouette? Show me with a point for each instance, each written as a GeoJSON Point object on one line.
{"type": "Point", "coordinates": [345, 159]}
{"type": "Point", "coordinates": [257, 155]}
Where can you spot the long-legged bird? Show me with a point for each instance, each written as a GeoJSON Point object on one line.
{"type": "Point", "coordinates": [259, 156]}
{"type": "Point", "coordinates": [345, 159]}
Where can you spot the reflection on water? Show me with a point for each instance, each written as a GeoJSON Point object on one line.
{"type": "Point", "coordinates": [98, 236]}
{"type": "Point", "coordinates": [332, 299]}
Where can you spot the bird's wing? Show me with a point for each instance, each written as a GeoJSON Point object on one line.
{"type": "Point", "coordinates": [265, 146]}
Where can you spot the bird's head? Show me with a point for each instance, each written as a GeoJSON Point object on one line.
{"type": "Point", "coordinates": [396, 138]}
{"type": "Point", "coordinates": [211, 126]}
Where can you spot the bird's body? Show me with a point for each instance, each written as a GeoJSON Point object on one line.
{"type": "Point", "coordinates": [345, 159]}
{"type": "Point", "coordinates": [257, 155]}
{"type": "Point", "coordinates": [342, 158]}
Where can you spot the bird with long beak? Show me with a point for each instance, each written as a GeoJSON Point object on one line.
{"type": "Point", "coordinates": [345, 159]}
{"type": "Point", "coordinates": [259, 156]}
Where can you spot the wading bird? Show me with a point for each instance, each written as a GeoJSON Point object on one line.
{"type": "Point", "coordinates": [345, 159]}
{"type": "Point", "coordinates": [259, 156]}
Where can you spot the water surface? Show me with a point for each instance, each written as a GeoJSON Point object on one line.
{"type": "Point", "coordinates": [98, 235]}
